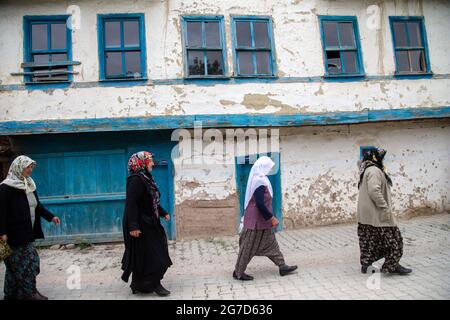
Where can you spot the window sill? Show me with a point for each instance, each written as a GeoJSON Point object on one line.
{"type": "Point", "coordinates": [47, 85]}
{"type": "Point", "coordinates": [123, 79]}
{"type": "Point", "coordinates": [126, 82]}
{"type": "Point", "coordinates": [345, 77]}
{"type": "Point", "coordinates": [255, 77]}
{"type": "Point", "coordinates": [207, 78]}
{"type": "Point", "coordinates": [413, 75]}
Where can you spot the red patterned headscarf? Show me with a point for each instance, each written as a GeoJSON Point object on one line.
{"type": "Point", "coordinates": [139, 161]}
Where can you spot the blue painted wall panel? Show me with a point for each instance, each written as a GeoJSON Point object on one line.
{"type": "Point", "coordinates": [82, 179]}
{"type": "Point", "coordinates": [216, 121]}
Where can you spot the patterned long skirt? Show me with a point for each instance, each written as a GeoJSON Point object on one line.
{"type": "Point", "coordinates": [376, 243]}
{"type": "Point", "coordinates": [257, 243]}
{"type": "Point", "coordinates": [22, 268]}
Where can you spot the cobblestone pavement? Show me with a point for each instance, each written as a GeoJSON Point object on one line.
{"type": "Point", "coordinates": [328, 260]}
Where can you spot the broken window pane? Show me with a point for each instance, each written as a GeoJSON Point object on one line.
{"type": "Point", "coordinates": [196, 64]}
{"type": "Point", "coordinates": [402, 61]}
{"type": "Point", "coordinates": [417, 60]}
{"type": "Point", "coordinates": [245, 61]}
{"type": "Point", "coordinates": [415, 39]}
{"type": "Point", "coordinates": [133, 63]}
{"type": "Point", "coordinates": [400, 34]}
{"type": "Point", "coordinates": [39, 39]}
{"type": "Point", "coordinates": [212, 34]}
{"type": "Point", "coordinates": [261, 34]}
{"type": "Point", "coordinates": [112, 34]}
{"type": "Point", "coordinates": [113, 63]}
{"type": "Point", "coordinates": [194, 34]}
{"type": "Point", "coordinates": [330, 30]}
{"type": "Point", "coordinates": [243, 35]}
{"type": "Point", "coordinates": [334, 62]}
{"type": "Point", "coordinates": [131, 33]}
{"type": "Point", "coordinates": [263, 62]}
{"type": "Point", "coordinates": [346, 34]}
{"type": "Point", "coordinates": [215, 63]}
{"type": "Point", "coordinates": [350, 61]}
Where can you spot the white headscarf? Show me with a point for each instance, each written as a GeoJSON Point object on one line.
{"type": "Point", "coordinates": [15, 176]}
{"type": "Point", "coordinates": [258, 177]}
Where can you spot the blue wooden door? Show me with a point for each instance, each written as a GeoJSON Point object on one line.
{"type": "Point", "coordinates": [162, 173]}
{"type": "Point", "coordinates": [243, 167]}
{"type": "Point", "coordinates": [86, 190]}
{"type": "Point", "coordinates": [82, 179]}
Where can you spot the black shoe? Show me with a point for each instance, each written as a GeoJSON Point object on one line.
{"type": "Point", "coordinates": [135, 290]}
{"type": "Point", "coordinates": [10, 298]}
{"type": "Point", "coordinates": [36, 296]}
{"type": "Point", "coordinates": [41, 295]}
{"type": "Point", "coordinates": [400, 270]}
{"type": "Point", "coordinates": [285, 269]}
{"type": "Point", "coordinates": [161, 291]}
{"type": "Point", "coordinates": [244, 277]}
{"type": "Point", "coordinates": [364, 268]}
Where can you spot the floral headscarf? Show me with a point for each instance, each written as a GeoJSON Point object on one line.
{"type": "Point", "coordinates": [139, 161]}
{"type": "Point", "coordinates": [373, 157]}
{"type": "Point", "coordinates": [138, 165]}
{"type": "Point", "coordinates": [15, 176]}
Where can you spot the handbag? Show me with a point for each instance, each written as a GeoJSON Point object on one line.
{"type": "Point", "coordinates": [5, 250]}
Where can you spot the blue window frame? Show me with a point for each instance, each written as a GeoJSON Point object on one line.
{"type": "Point", "coordinates": [204, 43]}
{"type": "Point", "coordinates": [47, 49]}
{"type": "Point", "coordinates": [410, 45]}
{"type": "Point", "coordinates": [253, 46]}
{"type": "Point", "coordinates": [341, 46]}
{"type": "Point", "coordinates": [122, 49]}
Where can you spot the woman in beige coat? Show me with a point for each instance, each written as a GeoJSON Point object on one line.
{"type": "Point", "coordinates": [379, 236]}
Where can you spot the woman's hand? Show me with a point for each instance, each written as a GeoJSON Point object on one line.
{"type": "Point", "coordinates": [135, 233]}
{"type": "Point", "coordinates": [275, 221]}
{"type": "Point", "coordinates": [4, 237]}
{"type": "Point", "coordinates": [167, 218]}
{"type": "Point", "coordinates": [56, 221]}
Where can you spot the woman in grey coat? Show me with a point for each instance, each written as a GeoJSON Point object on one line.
{"type": "Point", "coordinates": [379, 236]}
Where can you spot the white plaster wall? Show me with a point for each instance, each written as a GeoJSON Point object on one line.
{"type": "Point", "coordinates": [296, 32]}
{"type": "Point", "coordinates": [298, 52]}
{"type": "Point", "coordinates": [320, 174]}
{"type": "Point", "coordinates": [319, 171]}
{"type": "Point", "coordinates": [279, 98]}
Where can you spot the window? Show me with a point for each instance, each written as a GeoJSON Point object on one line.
{"type": "Point", "coordinates": [122, 46]}
{"type": "Point", "coordinates": [341, 46]}
{"type": "Point", "coordinates": [253, 46]}
{"type": "Point", "coordinates": [410, 47]}
{"type": "Point", "coordinates": [48, 49]}
{"type": "Point", "coordinates": [204, 46]}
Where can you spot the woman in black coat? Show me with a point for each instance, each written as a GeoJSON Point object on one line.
{"type": "Point", "coordinates": [20, 225]}
{"type": "Point", "coordinates": [146, 254]}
